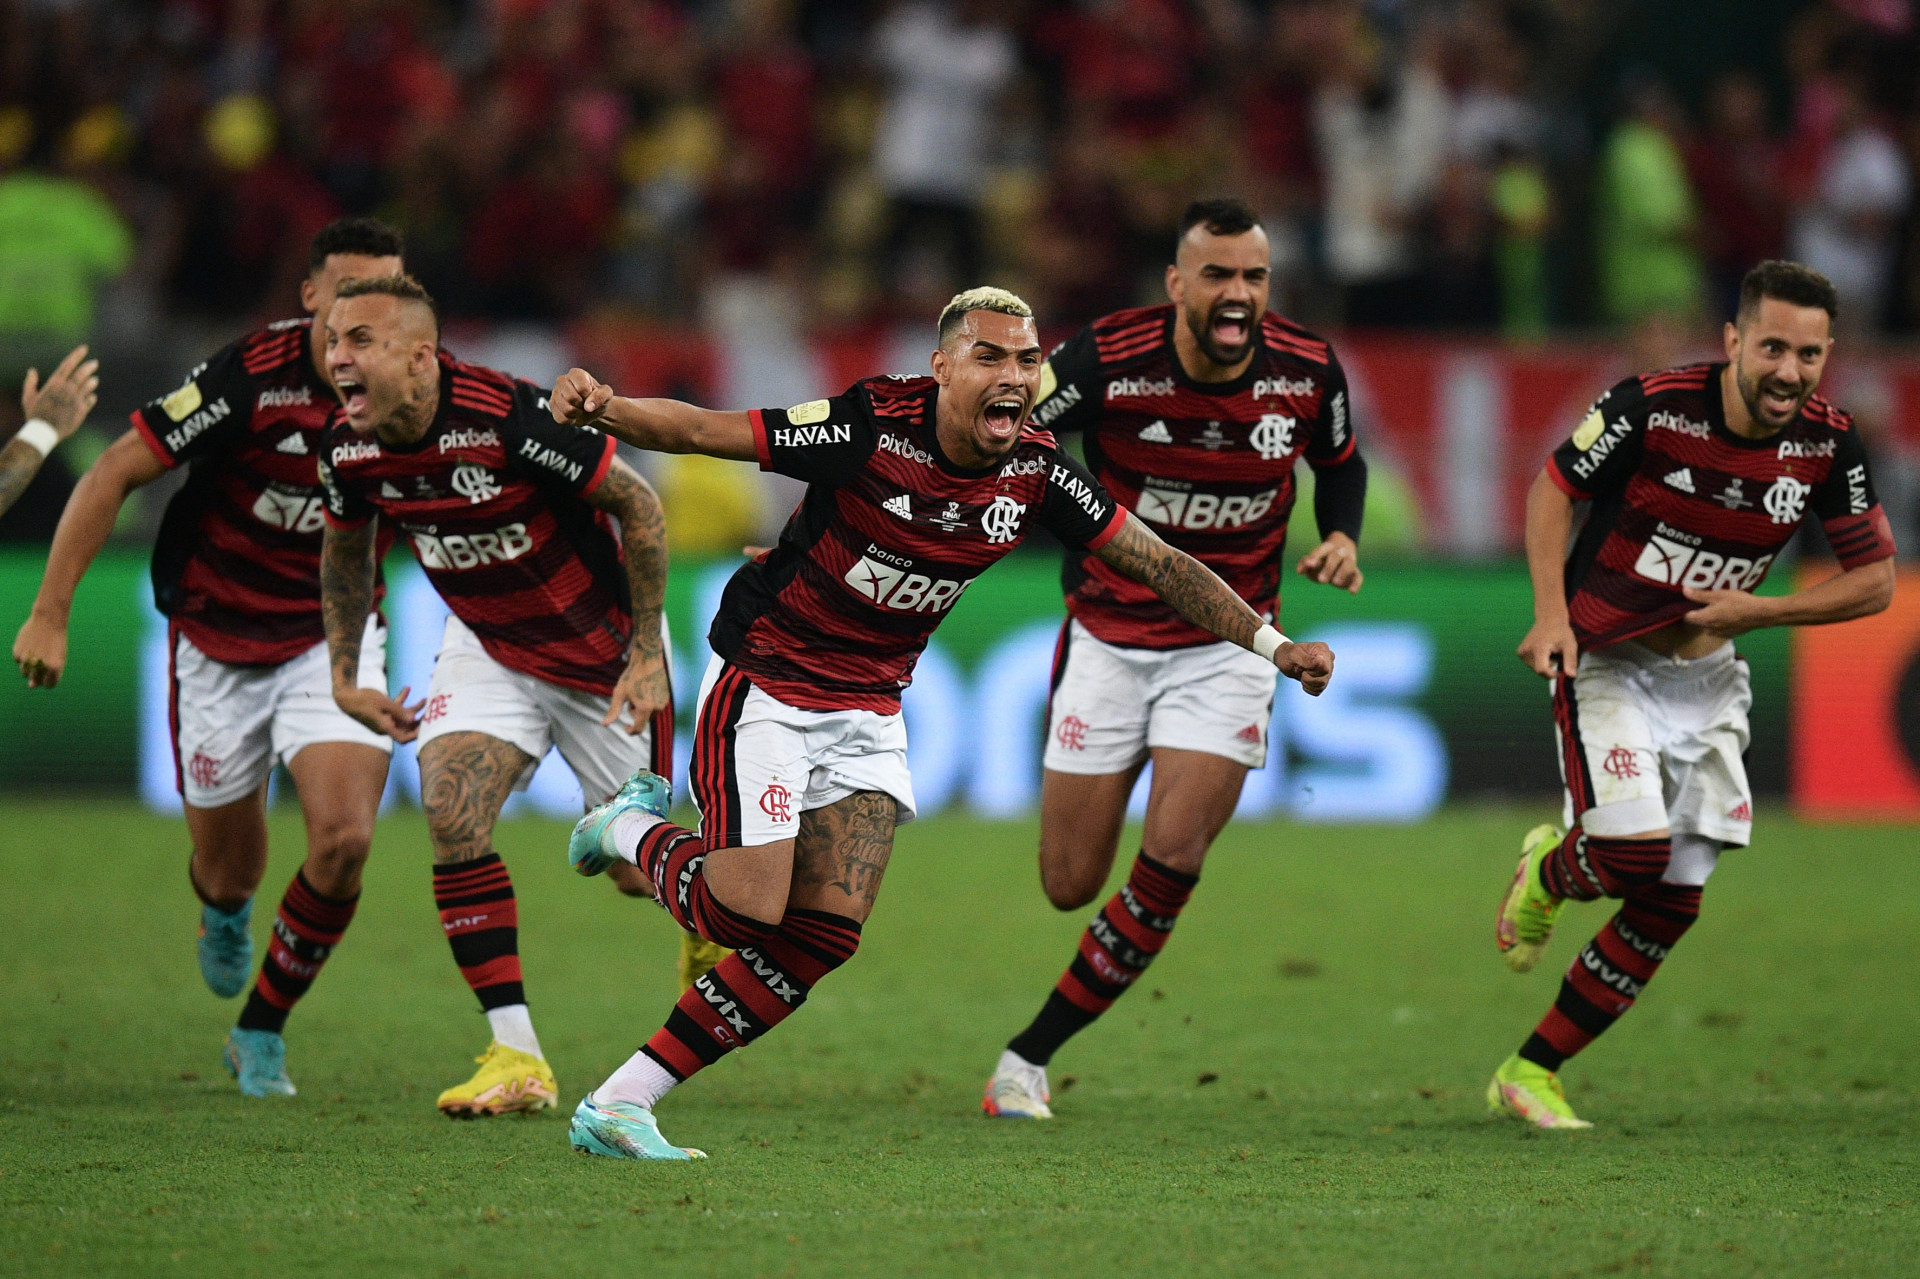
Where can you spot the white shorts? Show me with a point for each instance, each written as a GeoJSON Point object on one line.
{"type": "Point", "coordinates": [1650, 742]}
{"type": "Point", "coordinates": [1111, 705]}
{"type": "Point", "coordinates": [759, 763]}
{"type": "Point", "coordinates": [232, 723]}
{"type": "Point", "coordinates": [473, 693]}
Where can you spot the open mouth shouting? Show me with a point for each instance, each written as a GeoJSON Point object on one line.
{"type": "Point", "coordinates": [1778, 401]}
{"type": "Point", "coordinates": [1003, 416]}
{"type": "Point", "coordinates": [353, 396]}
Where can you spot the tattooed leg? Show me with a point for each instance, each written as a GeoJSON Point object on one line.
{"type": "Point", "coordinates": [842, 853]}
{"type": "Point", "coordinates": [465, 778]}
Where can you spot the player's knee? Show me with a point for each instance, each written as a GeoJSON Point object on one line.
{"type": "Point", "coordinates": [342, 848]}
{"type": "Point", "coordinates": [1066, 889]}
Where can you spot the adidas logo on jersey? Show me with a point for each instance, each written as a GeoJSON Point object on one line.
{"type": "Point", "coordinates": [1157, 433]}
{"type": "Point", "coordinates": [1681, 479]}
{"type": "Point", "coordinates": [388, 491]}
{"type": "Point", "coordinates": [900, 505]}
{"type": "Point", "coordinates": [292, 444]}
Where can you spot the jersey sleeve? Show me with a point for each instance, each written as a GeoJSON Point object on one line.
{"type": "Point", "coordinates": [570, 459]}
{"type": "Point", "coordinates": [1332, 441]}
{"type": "Point", "coordinates": [346, 505]}
{"type": "Point", "coordinates": [1077, 508]}
{"type": "Point", "coordinates": [1605, 448]}
{"type": "Point", "coordinates": [1069, 398]}
{"type": "Point", "coordinates": [1848, 509]}
{"type": "Point", "coordinates": [211, 408]}
{"type": "Point", "coordinates": [821, 441]}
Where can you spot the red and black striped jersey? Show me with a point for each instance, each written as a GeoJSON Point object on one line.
{"type": "Point", "coordinates": [888, 536]}
{"type": "Point", "coordinates": [493, 500]}
{"type": "Point", "coordinates": [1209, 465]}
{"type": "Point", "coordinates": [1679, 501]}
{"type": "Point", "coordinates": [236, 564]}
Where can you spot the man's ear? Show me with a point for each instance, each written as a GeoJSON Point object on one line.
{"type": "Point", "coordinates": [942, 366]}
{"type": "Point", "coordinates": [1731, 337]}
{"type": "Point", "coordinates": [1176, 287]}
{"type": "Point", "coordinates": [309, 297]}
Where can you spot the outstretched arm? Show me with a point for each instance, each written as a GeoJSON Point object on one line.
{"type": "Point", "coordinates": [62, 403]}
{"type": "Point", "coordinates": [660, 426]}
{"type": "Point", "coordinates": [643, 539]}
{"type": "Point", "coordinates": [346, 597]}
{"type": "Point", "coordinates": [1202, 598]}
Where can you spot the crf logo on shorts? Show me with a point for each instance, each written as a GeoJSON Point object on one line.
{"type": "Point", "coordinates": [905, 592]}
{"type": "Point", "coordinates": [1072, 733]}
{"type": "Point", "coordinates": [452, 550]}
{"type": "Point", "coordinates": [1675, 564]}
{"type": "Point", "coordinates": [436, 707]}
{"type": "Point", "coordinates": [777, 802]}
{"type": "Point", "coordinates": [1622, 762]}
{"type": "Point", "coordinates": [204, 769]}
{"type": "Point", "coordinates": [1174, 508]}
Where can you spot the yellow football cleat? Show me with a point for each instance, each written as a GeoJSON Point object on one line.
{"type": "Point", "coordinates": [697, 958]}
{"type": "Point", "coordinates": [507, 1080]}
{"type": "Point", "coordinates": [1528, 911]}
{"type": "Point", "coordinates": [1522, 1089]}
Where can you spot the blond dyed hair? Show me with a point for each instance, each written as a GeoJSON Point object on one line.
{"type": "Point", "coordinates": [984, 298]}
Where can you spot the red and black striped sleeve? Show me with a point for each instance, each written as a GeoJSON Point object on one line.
{"type": "Point", "coordinates": [211, 408]}
{"type": "Point", "coordinates": [1605, 448]}
{"type": "Point", "coordinates": [821, 441]}
{"type": "Point", "coordinates": [1848, 509]}
{"type": "Point", "coordinates": [570, 459]}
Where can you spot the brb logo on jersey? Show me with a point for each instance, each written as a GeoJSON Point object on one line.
{"type": "Point", "coordinates": [475, 483]}
{"type": "Point", "coordinates": [893, 587]}
{"type": "Point", "coordinates": [456, 551]}
{"type": "Point", "coordinates": [1001, 521]}
{"type": "Point", "coordinates": [1272, 436]}
{"type": "Point", "coordinates": [1197, 512]}
{"type": "Point", "coordinates": [295, 512]}
{"type": "Point", "coordinates": [1672, 562]}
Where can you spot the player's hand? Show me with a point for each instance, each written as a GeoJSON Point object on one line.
{"type": "Point", "coordinates": [389, 715]}
{"type": "Point", "coordinates": [1728, 613]}
{"type": "Point", "coordinates": [1310, 662]}
{"type": "Point", "coordinates": [66, 397]}
{"type": "Point", "coordinates": [579, 398]}
{"type": "Point", "coordinates": [40, 650]}
{"type": "Point", "coordinates": [1550, 649]}
{"type": "Point", "coordinates": [642, 686]}
{"type": "Point", "coordinates": [1335, 562]}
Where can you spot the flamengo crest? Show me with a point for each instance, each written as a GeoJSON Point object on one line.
{"type": "Point", "coordinates": [1272, 435]}
{"type": "Point", "coordinates": [475, 483]}
{"type": "Point", "coordinates": [1001, 521]}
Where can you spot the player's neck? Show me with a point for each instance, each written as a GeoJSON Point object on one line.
{"type": "Point", "coordinates": [1195, 362]}
{"type": "Point", "coordinates": [1733, 409]}
{"type": "Point", "coordinates": [414, 417]}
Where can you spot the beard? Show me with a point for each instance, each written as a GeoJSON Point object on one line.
{"type": "Point", "coordinates": [1200, 324]}
{"type": "Point", "coordinates": [1753, 388]}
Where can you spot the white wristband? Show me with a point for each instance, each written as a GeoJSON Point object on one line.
{"type": "Point", "coordinates": [1267, 642]}
{"type": "Point", "coordinates": [39, 434]}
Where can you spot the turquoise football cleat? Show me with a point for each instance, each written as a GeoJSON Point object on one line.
{"type": "Point", "coordinates": [258, 1059]}
{"type": "Point", "coordinates": [588, 850]}
{"type": "Point", "coordinates": [621, 1130]}
{"type": "Point", "coordinates": [226, 949]}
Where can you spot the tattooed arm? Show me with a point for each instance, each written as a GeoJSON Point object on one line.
{"type": "Point", "coordinates": [1195, 593]}
{"type": "Point", "coordinates": [346, 597]}
{"type": "Point", "coordinates": [643, 539]}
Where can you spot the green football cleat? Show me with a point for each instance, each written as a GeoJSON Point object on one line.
{"type": "Point", "coordinates": [1528, 911]}
{"type": "Point", "coordinates": [588, 850]}
{"type": "Point", "coordinates": [1521, 1089]}
{"type": "Point", "coordinates": [621, 1130]}
{"type": "Point", "coordinates": [258, 1060]}
{"type": "Point", "coordinates": [226, 949]}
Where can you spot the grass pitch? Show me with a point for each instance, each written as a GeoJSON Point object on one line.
{"type": "Point", "coordinates": [1296, 1088]}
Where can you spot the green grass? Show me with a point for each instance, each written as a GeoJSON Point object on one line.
{"type": "Point", "coordinates": [1304, 1097]}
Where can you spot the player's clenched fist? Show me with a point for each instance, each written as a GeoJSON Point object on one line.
{"type": "Point", "coordinates": [579, 398]}
{"type": "Point", "coordinates": [1310, 662]}
{"type": "Point", "coordinates": [40, 649]}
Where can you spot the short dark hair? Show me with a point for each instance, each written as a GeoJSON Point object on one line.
{"type": "Point", "coordinates": [361, 237]}
{"type": "Point", "coordinates": [1219, 217]}
{"type": "Point", "coordinates": [402, 286]}
{"type": "Point", "coordinates": [1789, 282]}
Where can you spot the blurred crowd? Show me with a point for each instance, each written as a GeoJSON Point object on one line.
{"type": "Point", "coordinates": [1508, 165]}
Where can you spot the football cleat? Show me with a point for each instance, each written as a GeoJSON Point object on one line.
{"type": "Point", "coordinates": [226, 949]}
{"type": "Point", "coordinates": [588, 849]}
{"type": "Point", "coordinates": [507, 1080]}
{"type": "Point", "coordinates": [622, 1130]}
{"type": "Point", "coordinates": [1018, 1090]}
{"type": "Point", "coordinates": [1528, 911]}
{"type": "Point", "coordinates": [1522, 1089]}
{"type": "Point", "coordinates": [258, 1059]}
{"type": "Point", "coordinates": [697, 958]}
